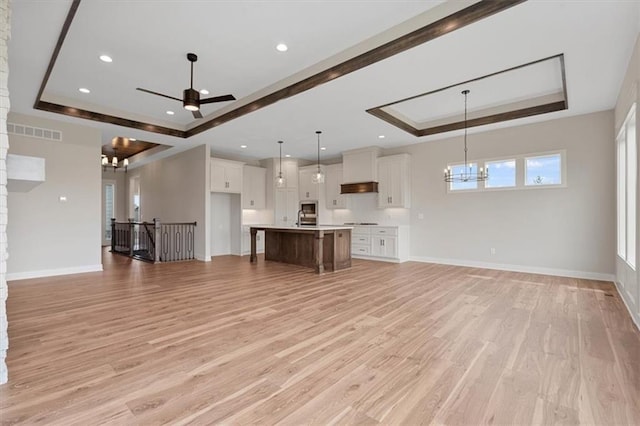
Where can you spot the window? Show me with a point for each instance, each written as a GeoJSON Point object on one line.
{"type": "Point", "coordinates": [627, 163]}
{"type": "Point", "coordinates": [502, 174]}
{"type": "Point", "coordinates": [459, 169]}
{"type": "Point", "coordinates": [543, 170]}
{"type": "Point", "coordinates": [524, 171]}
{"type": "Point", "coordinates": [109, 199]}
{"type": "Point", "coordinates": [622, 194]}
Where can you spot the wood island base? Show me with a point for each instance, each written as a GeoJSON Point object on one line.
{"type": "Point", "coordinates": [321, 248]}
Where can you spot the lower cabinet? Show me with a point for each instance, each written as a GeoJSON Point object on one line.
{"type": "Point", "coordinates": [384, 246]}
{"type": "Point", "coordinates": [390, 243]}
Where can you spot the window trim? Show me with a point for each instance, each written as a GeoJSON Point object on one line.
{"type": "Point", "coordinates": [621, 138]}
{"type": "Point", "coordinates": [563, 169]}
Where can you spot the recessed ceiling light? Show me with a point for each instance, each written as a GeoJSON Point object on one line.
{"type": "Point", "coordinates": [106, 58]}
{"type": "Point", "coordinates": [324, 148]}
{"type": "Point", "coordinates": [287, 155]}
{"type": "Point", "coordinates": [84, 90]}
{"type": "Point", "coordinates": [380, 136]}
{"type": "Point", "coordinates": [282, 47]}
{"type": "Point", "coordinates": [204, 91]}
{"type": "Point", "coordinates": [170, 112]}
{"type": "Point", "coordinates": [243, 146]}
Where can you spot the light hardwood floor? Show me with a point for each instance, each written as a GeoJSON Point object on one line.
{"type": "Point", "coordinates": [234, 343]}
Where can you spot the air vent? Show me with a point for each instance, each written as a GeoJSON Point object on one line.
{"type": "Point", "coordinates": [34, 132]}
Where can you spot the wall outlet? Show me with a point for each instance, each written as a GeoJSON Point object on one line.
{"type": "Point", "coordinates": [420, 215]}
{"type": "Point", "coordinates": [493, 251]}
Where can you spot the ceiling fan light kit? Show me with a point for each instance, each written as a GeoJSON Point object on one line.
{"type": "Point", "coordinates": [190, 97]}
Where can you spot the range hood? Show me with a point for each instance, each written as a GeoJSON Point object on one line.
{"type": "Point", "coordinates": [358, 188]}
{"type": "Point", "coordinates": [360, 171]}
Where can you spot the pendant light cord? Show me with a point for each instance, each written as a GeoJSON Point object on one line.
{"type": "Point", "coordinates": [318, 133]}
{"type": "Point", "coordinates": [466, 92]}
{"type": "Point", "coordinates": [280, 143]}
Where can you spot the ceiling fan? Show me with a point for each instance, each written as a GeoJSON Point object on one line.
{"type": "Point", "coordinates": [190, 97]}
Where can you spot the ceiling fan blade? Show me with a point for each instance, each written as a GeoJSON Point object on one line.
{"type": "Point", "coordinates": [196, 114]}
{"type": "Point", "coordinates": [158, 94]}
{"type": "Point", "coordinates": [222, 98]}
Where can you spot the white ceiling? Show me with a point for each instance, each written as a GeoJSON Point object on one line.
{"type": "Point", "coordinates": [235, 42]}
{"type": "Point", "coordinates": [516, 85]}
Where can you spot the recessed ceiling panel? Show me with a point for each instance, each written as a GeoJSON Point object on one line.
{"type": "Point", "coordinates": [534, 88]}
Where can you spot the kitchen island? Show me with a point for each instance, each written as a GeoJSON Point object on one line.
{"type": "Point", "coordinates": [324, 248]}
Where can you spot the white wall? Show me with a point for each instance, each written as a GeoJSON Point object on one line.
{"type": "Point", "coordinates": [364, 208]}
{"type": "Point", "coordinates": [564, 231]}
{"type": "Point", "coordinates": [626, 277]}
{"type": "Point", "coordinates": [176, 189]}
{"type": "Point", "coordinates": [46, 236]}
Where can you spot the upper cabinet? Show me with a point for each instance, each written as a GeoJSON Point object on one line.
{"type": "Point", "coordinates": [254, 187]}
{"type": "Point", "coordinates": [394, 181]}
{"type": "Point", "coordinates": [289, 172]}
{"type": "Point", "coordinates": [226, 176]}
{"type": "Point", "coordinates": [360, 165]}
{"type": "Point", "coordinates": [307, 189]}
{"type": "Point", "coordinates": [332, 182]}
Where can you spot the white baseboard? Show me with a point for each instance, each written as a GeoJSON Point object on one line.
{"type": "Point", "coordinates": [518, 268]}
{"type": "Point", "coordinates": [623, 295]}
{"type": "Point", "coordinates": [202, 258]}
{"type": "Point", "coordinates": [377, 259]}
{"type": "Point", "coordinates": [53, 272]}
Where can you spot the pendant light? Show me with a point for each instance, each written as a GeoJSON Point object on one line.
{"type": "Point", "coordinates": [318, 177]}
{"type": "Point", "coordinates": [280, 179]}
{"type": "Point", "coordinates": [466, 175]}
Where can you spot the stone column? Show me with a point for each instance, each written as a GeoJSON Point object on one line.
{"type": "Point", "coordinates": [5, 31]}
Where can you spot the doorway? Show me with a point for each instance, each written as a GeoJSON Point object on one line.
{"type": "Point", "coordinates": [226, 224]}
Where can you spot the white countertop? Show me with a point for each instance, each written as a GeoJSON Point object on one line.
{"type": "Point", "coordinates": [304, 227]}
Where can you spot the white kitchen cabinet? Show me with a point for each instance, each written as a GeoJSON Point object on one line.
{"type": "Point", "coordinates": [332, 182]}
{"type": "Point", "coordinates": [360, 165]}
{"type": "Point", "coordinates": [387, 243]}
{"type": "Point", "coordinates": [384, 246]}
{"type": "Point", "coordinates": [226, 176]}
{"type": "Point", "coordinates": [307, 189]}
{"type": "Point", "coordinates": [289, 172]}
{"type": "Point", "coordinates": [286, 206]}
{"type": "Point", "coordinates": [394, 181]}
{"type": "Point", "coordinates": [254, 187]}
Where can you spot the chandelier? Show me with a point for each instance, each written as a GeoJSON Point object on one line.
{"type": "Point", "coordinates": [114, 161]}
{"type": "Point", "coordinates": [466, 174]}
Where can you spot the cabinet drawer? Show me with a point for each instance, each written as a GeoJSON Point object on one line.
{"type": "Point", "coordinates": [360, 249]}
{"type": "Point", "coordinates": [361, 230]}
{"type": "Point", "coordinates": [360, 239]}
{"type": "Point", "coordinates": [381, 230]}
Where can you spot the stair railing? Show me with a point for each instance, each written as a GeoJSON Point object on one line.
{"type": "Point", "coordinates": [154, 241]}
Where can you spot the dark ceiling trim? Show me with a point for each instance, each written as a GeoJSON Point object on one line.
{"type": "Point", "coordinates": [496, 118]}
{"type": "Point", "coordinates": [480, 121]}
{"type": "Point", "coordinates": [56, 50]}
{"type": "Point", "coordinates": [105, 118]}
{"type": "Point", "coordinates": [457, 20]}
{"type": "Point", "coordinates": [462, 18]}
{"type": "Point", "coordinates": [391, 119]}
